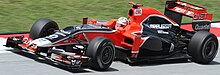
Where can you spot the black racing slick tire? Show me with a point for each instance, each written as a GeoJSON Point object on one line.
{"type": "Point", "coordinates": [43, 27]}
{"type": "Point", "coordinates": [102, 52]}
{"type": "Point", "coordinates": [203, 47]}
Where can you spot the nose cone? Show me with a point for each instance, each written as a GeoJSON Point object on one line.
{"type": "Point", "coordinates": [41, 42]}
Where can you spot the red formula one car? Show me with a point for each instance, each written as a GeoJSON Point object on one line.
{"type": "Point", "coordinates": [147, 35]}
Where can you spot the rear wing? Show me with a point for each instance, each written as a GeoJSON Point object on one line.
{"type": "Point", "coordinates": [175, 9]}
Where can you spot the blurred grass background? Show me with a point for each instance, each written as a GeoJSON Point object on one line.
{"type": "Point", "coordinates": [19, 15]}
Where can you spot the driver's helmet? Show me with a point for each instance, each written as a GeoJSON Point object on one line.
{"type": "Point", "coordinates": [122, 21]}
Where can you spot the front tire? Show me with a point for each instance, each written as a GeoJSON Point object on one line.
{"type": "Point", "coordinates": [102, 53]}
{"type": "Point", "coordinates": [43, 27]}
{"type": "Point", "coordinates": [203, 47]}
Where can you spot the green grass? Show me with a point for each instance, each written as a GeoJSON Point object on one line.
{"type": "Point", "coordinates": [19, 15]}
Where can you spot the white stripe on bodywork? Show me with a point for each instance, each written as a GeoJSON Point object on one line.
{"type": "Point", "coordinates": [134, 51]}
{"type": "Point", "coordinates": [160, 17]}
{"type": "Point", "coordinates": [145, 38]}
{"type": "Point", "coordinates": [79, 33]}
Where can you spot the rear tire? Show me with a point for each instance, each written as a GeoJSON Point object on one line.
{"type": "Point", "coordinates": [203, 47]}
{"type": "Point", "coordinates": [43, 27]}
{"type": "Point", "coordinates": [102, 52]}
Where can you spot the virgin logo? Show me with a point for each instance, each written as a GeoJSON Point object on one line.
{"type": "Point", "coordinates": [27, 41]}
{"type": "Point", "coordinates": [184, 11]}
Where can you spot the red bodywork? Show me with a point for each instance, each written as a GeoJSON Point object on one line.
{"type": "Point", "coordinates": [134, 28]}
{"type": "Point", "coordinates": [131, 31]}
{"type": "Point", "coordinates": [193, 11]}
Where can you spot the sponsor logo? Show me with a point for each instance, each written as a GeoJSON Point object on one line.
{"type": "Point", "coordinates": [65, 32]}
{"type": "Point", "coordinates": [188, 5]}
{"type": "Point", "coordinates": [27, 41]}
{"type": "Point", "coordinates": [138, 12]}
{"type": "Point", "coordinates": [162, 32]}
{"type": "Point", "coordinates": [185, 11]}
{"type": "Point", "coordinates": [202, 27]}
{"type": "Point", "coordinates": [160, 26]}
{"type": "Point", "coordinates": [56, 35]}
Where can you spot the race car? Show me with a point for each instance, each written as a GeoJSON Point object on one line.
{"type": "Point", "coordinates": [145, 35]}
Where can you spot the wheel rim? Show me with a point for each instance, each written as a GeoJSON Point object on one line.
{"type": "Point", "coordinates": [209, 50]}
{"type": "Point", "coordinates": [47, 32]}
{"type": "Point", "coordinates": [107, 54]}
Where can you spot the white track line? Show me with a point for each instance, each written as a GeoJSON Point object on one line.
{"type": "Point", "coordinates": [3, 49]}
{"type": "Point", "coordinates": [215, 25]}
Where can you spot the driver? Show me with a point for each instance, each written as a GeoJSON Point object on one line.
{"type": "Point", "coordinates": [121, 23]}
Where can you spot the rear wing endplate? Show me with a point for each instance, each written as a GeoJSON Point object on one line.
{"type": "Point", "coordinates": [175, 9]}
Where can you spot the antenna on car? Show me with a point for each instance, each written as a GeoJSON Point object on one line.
{"type": "Point", "coordinates": [84, 21]}
{"type": "Point", "coordinates": [135, 5]}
